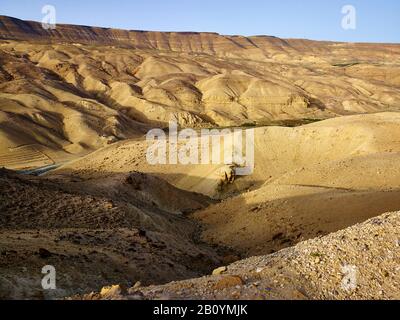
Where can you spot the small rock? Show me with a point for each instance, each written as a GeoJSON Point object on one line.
{"type": "Point", "coordinates": [113, 292]}
{"type": "Point", "coordinates": [219, 271]}
{"type": "Point", "coordinates": [137, 285]}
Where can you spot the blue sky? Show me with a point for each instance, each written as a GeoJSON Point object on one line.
{"type": "Point", "coordinates": [377, 20]}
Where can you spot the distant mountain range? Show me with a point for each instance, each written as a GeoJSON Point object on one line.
{"type": "Point", "coordinates": [195, 42]}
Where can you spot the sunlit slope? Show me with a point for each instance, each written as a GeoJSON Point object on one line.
{"type": "Point", "coordinates": [80, 88]}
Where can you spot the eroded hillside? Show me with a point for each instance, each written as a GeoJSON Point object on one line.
{"type": "Point", "coordinates": [78, 100]}
{"type": "Point", "coordinates": [76, 89]}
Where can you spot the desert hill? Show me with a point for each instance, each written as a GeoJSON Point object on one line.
{"type": "Point", "coordinates": [78, 101]}
{"type": "Point", "coordinates": [75, 89]}
{"type": "Point", "coordinates": [308, 181]}
{"type": "Point", "coordinates": [282, 155]}
{"type": "Point", "coordinates": [192, 42]}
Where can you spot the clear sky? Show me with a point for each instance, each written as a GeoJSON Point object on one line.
{"type": "Point", "coordinates": [377, 20]}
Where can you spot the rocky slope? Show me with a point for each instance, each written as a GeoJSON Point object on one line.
{"type": "Point", "coordinates": [124, 229]}
{"type": "Point", "coordinates": [361, 262]}
{"type": "Point", "coordinates": [193, 42]}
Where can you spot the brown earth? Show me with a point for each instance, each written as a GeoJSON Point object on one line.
{"type": "Point", "coordinates": [318, 269]}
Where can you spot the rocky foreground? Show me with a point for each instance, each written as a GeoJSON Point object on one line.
{"type": "Point", "coordinates": [122, 230]}
{"type": "Point", "coordinates": [361, 262]}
